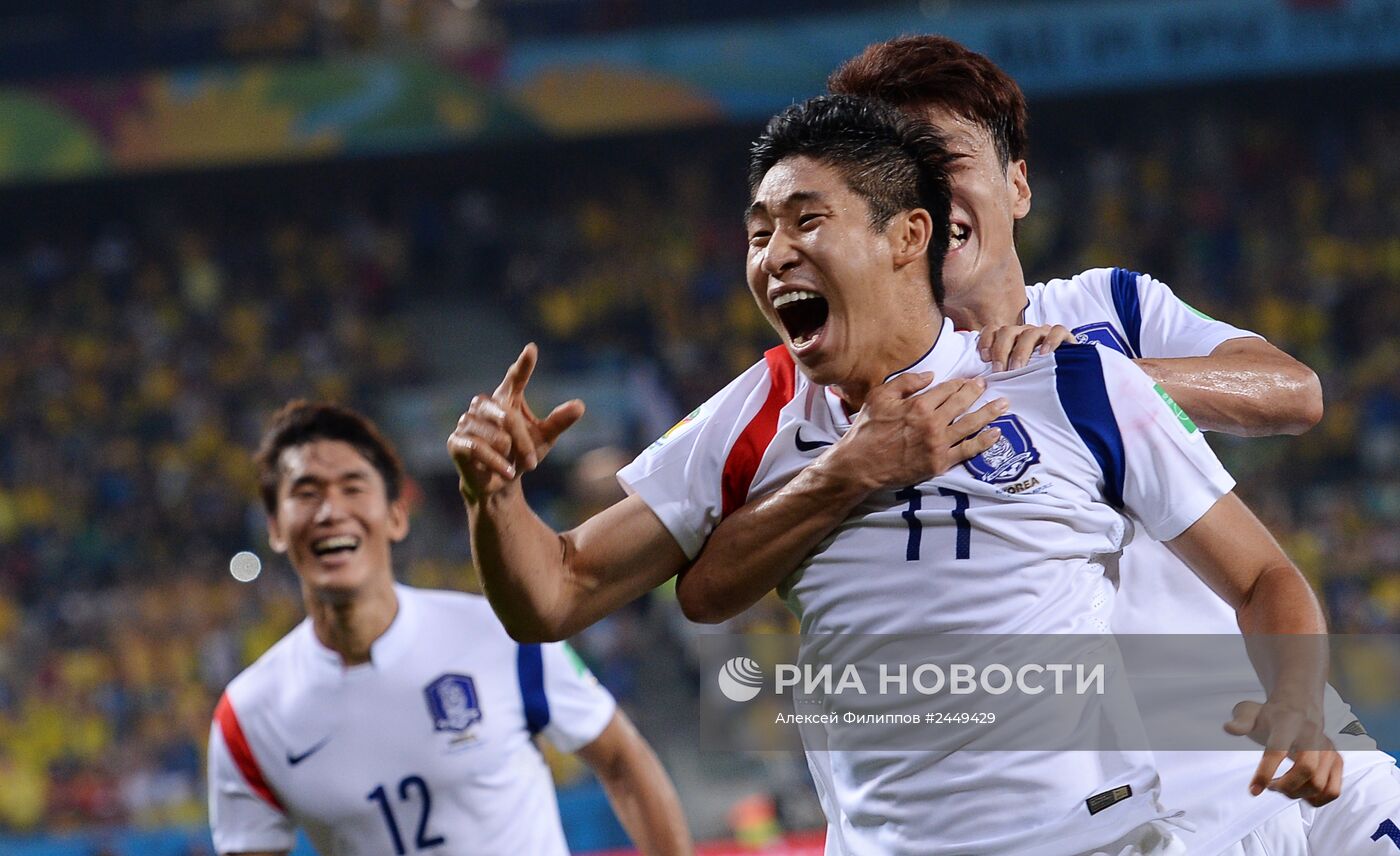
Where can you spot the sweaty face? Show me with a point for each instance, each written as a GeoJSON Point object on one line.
{"type": "Point", "coordinates": [988, 199]}
{"type": "Point", "coordinates": [334, 519]}
{"type": "Point", "coordinates": [826, 280]}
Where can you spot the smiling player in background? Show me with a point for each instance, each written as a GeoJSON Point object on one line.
{"type": "Point", "coordinates": [394, 719]}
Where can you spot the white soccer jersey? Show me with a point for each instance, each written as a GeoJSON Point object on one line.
{"type": "Point", "coordinates": [1139, 316]}
{"type": "Point", "coordinates": [1010, 543]}
{"type": "Point", "coordinates": [426, 747]}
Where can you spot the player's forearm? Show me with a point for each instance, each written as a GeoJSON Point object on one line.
{"type": "Point", "coordinates": [1275, 607]}
{"type": "Point", "coordinates": [1246, 387]}
{"type": "Point", "coordinates": [547, 586]}
{"type": "Point", "coordinates": [761, 544]}
{"type": "Point", "coordinates": [646, 802]}
{"type": "Point", "coordinates": [1286, 634]}
{"type": "Point", "coordinates": [520, 560]}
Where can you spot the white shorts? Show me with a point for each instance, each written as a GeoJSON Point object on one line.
{"type": "Point", "coordinates": [1361, 822]}
{"type": "Point", "coordinates": [1364, 820]}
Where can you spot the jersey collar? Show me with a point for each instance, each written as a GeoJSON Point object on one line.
{"type": "Point", "coordinates": [945, 358]}
{"type": "Point", "coordinates": [395, 642]}
{"type": "Point", "coordinates": [392, 645]}
{"type": "Point", "coordinates": [1033, 314]}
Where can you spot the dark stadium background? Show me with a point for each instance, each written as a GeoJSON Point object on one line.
{"type": "Point", "coordinates": [211, 206]}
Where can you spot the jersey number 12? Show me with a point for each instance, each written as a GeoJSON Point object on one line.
{"type": "Point", "coordinates": [421, 840]}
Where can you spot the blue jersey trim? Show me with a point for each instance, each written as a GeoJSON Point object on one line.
{"type": "Point", "coordinates": [529, 667]}
{"type": "Point", "coordinates": [1124, 285]}
{"type": "Point", "coordinates": [1080, 384]}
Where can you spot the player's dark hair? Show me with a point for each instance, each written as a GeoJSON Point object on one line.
{"type": "Point", "coordinates": [893, 162]}
{"type": "Point", "coordinates": [301, 422]}
{"type": "Point", "coordinates": [917, 72]}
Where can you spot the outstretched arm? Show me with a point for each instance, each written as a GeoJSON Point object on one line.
{"type": "Point", "coordinates": [640, 791]}
{"type": "Point", "coordinates": [545, 585]}
{"type": "Point", "coordinates": [901, 437]}
{"type": "Point", "coordinates": [1245, 387]}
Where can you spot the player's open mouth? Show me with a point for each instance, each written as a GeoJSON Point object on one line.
{"type": "Point", "coordinates": [958, 233]}
{"type": "Point", "coordinates": [335, 544]}
{"type": "Point", "coordinates": [803, 314]}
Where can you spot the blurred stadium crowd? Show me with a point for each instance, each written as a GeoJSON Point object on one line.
{"type": "Point", "coordinates": [138, 358]}
{"type": "Point", "coordinates": [44, 37]}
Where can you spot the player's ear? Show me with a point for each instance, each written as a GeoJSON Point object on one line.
{"type": "Point", "coordinates": [910, 232]}
{"type": "Point", "coordinates": [1020, 185]}
{"type": "Point", "coordinates": [275, 539]}
{"type": "Point", "coordinates": [398, 520]}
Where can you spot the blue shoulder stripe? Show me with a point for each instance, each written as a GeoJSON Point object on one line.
{"type": "Point", "coordinates": [1124, 285]}
{"type": "Point", "coordinates": [529, 667]}
{"type": "Point", "coordinates": [1080, 384]}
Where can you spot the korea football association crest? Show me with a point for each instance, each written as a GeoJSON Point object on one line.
{"type": "Point", "coordinates": [1009, 457]}
{"type": "Point", "coordinates": [1100, 333]}
{"type": "Point", "coordinates": [453, 704]}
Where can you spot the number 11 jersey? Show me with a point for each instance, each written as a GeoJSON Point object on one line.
{"type": "Point", "coordinates": [1014, 542]}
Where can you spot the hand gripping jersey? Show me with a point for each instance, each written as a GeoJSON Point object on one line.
{"type": "Point", "coordinates": [1012, 543]}
{"type": "Point", "coordinates": [1139, 316]}
{"type": "Point", "coordinates": [425, 748]}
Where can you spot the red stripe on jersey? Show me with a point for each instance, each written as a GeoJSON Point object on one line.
{"type": "Point", "coordinates": [242, 755]}
{"type": "Point", "coordinates": [742, 463]}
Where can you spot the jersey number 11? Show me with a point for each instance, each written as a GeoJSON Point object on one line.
{"type": "Point", "coordinates": [963, 550]}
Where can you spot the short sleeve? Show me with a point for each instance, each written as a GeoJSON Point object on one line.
{"type": "Point", "coordinates": [240, 820]}
{"type": "Point", "coordinates": [578, 707]}
{"type": "Point", "coordinates": [1156, 463]}
{"type": "Point", "coordinates": [1166, 325]}
{"type": "Point", "coordinates": [681, 476]}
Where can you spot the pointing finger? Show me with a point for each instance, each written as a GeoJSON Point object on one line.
{"type": "Point", "coordinates": [518, 375]}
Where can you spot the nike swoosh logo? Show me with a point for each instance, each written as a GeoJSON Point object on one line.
{"type": "Point", "coordinates": [808, 445]}
{"type": "Point", "coordinates": [293, 760]}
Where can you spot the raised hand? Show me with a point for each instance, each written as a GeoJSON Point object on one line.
{"type": "Point", "coordinates": [499, 438]}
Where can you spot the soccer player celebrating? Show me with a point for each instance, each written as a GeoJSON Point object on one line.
{"type": "Point", "coordinates": [848, 224]}
{"type": "Point", "coordinates": [1225, 378]}
{"type": "Point", "coordinates": [396, 720]}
